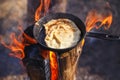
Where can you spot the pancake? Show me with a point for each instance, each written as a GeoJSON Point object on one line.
{"type": "Point", "coordinates": [61, 33]}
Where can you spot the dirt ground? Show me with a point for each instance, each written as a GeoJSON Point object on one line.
{"type": "Point", "coordinates": [100, 59]}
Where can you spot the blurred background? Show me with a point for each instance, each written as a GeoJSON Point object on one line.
{"type": "Point", "coordinates": [100, 59]}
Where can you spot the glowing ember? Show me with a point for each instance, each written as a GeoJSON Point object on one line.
{"type": "Point", "coordinates": [95, 17]}
{"type": "Point", "coordinates": [53, 66]}
{"type": "Point", "coordinates": [16, 45]}
{"type": "Point", "coordinates": [43, 4]}
{"type": "Point", "coordinates": [45, 53]}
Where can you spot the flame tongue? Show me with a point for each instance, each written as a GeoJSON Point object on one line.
{"type": "Point", "coordinates": [38, 10]}
{"type": "Point", "coordinates": [47, 4]}
{"type": "Point", "coordinates": [53, 66]}
{"type": "Point", "coordinates": [16, 45]}
{"type": "Point", "coordinates": [43, 7]}
{"type": "Point", "coordinates": [95, 17]}
{"type": "Point", "coordinates": [53, 58]}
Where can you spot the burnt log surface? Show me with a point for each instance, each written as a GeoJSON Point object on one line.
{"type": "Point", "coordinates": [100, 59]}
{"type": "Point", "coordinates": [37, 67]}
{"type": "Point", "coordinates": [34, 63]}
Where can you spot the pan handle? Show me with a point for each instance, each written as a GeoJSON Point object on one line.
{"type": "Point", "coordinates": [102, 36]}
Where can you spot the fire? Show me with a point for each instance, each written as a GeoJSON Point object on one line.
{"type": "Point", "coordinates": [46, 7]}
{"type": "Point", "coordinates": [82, 42]}
{"type": "Point", "coordinates": [53, 66]}
{"type": "Point", "coordinates": [17, 45]}
{"type": "Point", "coordinates": [43, 7]}
{"type": "Point", "coordinates": [53, 59]}
{"type": "Point", "coordinates": [38, 10]}
{"type": "Point", "coordinates": [95, 17]}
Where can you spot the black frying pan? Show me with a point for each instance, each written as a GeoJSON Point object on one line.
{"type": "Point", "coordinates": [39, 31]}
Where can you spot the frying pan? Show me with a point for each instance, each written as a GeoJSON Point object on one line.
{"type": "Point", "coordinates": [39, 30]}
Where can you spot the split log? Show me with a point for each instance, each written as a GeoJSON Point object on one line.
{"type": "Point", "coordinates": [37, 67]}
{"type": "Point", "coordinates": [68, 63]}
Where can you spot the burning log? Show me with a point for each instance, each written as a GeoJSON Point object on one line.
{"type": "Point", "coordinates": [67, 58]}
{"type": "Point", "coordinates": [38, 67]}
{"type": "Point", "coordinates": [68, 62]}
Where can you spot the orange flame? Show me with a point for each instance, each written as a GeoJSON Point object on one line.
{"type": "Point", "coordinates": [38, 10]}
{"type": "Point", "coordinates": [17, 45]}
{"type": "Point", "coordinates": [82, 42]}
{"type": "Point", "coordinates": [43, 4]}
{"type": "Point", "coordinates": [53, 59]}
{"type": "Point", "coordinates": [53, 66]}
{"type": "Point", "coordinates": [47, 4]}
{"type": "Point", "coordinates": [95, 17]}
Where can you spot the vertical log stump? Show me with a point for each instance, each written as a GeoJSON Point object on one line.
{"type": "Point", "coordinates": [68, 63]}
{"type": "Point", "coordinates": [38, 70]}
